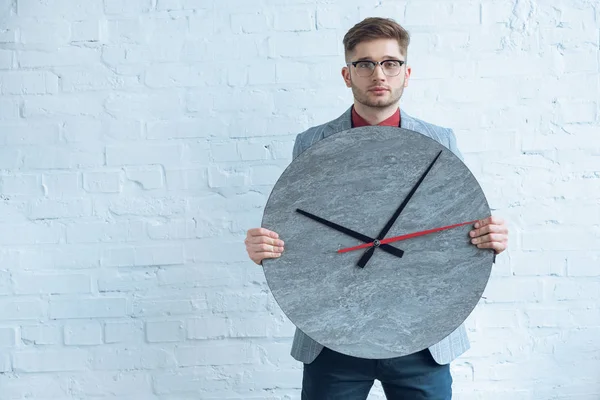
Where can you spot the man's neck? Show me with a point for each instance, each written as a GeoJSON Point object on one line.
{"type": "Point", "coordinates": [375, 115]}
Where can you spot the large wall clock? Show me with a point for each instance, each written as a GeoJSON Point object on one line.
{"type": "Point", "coordinates": [378, 261]}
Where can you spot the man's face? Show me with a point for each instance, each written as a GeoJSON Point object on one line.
{"type": "Point", "coordinates": [377, 90]}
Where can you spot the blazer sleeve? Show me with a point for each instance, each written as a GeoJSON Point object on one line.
{"type": "Point", "coordinates": [452, 145]}
{"type": "Point", "coordinates": [297, 147]}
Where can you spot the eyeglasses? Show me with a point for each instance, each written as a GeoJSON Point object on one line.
{"type": "Point", "coordinates": [366, 68]}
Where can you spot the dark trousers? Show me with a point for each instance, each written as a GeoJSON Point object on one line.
{"type": "Point", "coordinates": [334, 376]}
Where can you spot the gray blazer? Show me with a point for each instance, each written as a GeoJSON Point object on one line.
{"type": "Point", "coordinates": [305, 349]}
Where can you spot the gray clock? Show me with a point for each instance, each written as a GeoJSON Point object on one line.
{"type": "Point", "coordinates": [378, 261]}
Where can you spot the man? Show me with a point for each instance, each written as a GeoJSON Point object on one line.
{"type": "Point", "coordinates": [377, 73]}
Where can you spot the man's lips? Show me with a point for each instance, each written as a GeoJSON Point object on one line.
{"type": "Point", "coordinates": [379, 89]}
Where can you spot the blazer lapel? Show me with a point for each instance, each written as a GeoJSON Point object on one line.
{"type": "Point", "coordinates": [342, 123]}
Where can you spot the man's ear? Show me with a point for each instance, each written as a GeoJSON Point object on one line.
{"type": "Point", "coordinates": [346, 76]}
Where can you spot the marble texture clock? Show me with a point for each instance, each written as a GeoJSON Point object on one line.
{"type": "Point", "coordinates": [378, 261]}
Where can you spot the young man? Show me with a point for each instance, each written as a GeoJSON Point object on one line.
{"type": "Point", "coordinates": [377, 73]}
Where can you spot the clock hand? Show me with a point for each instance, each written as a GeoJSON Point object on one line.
{"type": "Point", "coordinates": [369, 253]}
{"type": "Point", "coordinates": [387, 248]}
{"type": "Point", "coordinates": [406, 236]}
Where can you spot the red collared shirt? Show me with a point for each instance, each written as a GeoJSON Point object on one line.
{"type": "Point", "coordinates": [358, 121]}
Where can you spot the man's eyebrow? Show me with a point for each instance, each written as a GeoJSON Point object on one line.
{"type": "Point", "coordinates": [384, 58]}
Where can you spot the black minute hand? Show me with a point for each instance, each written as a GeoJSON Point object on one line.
{"type": "Point", "coordinates": [359, 236]}
{"type": "Point", "coordinates": [367, 255]}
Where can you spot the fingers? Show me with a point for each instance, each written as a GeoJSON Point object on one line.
{"type": "Point", "coordinates": [262, 232]}
{"type": "Point", "coordinates": [493, 220]}
{"type": "Point", "coordinates": [262, 243]}
{"type": "Point", "coordinates": [498, 247]}
{"type": "Point", "coordinates": [488, 229]}
{"type": "Point", "coordinates": [496, 241]}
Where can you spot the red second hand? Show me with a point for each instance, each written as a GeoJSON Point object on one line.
{"type": "Point", "coordinates": [404, 237]}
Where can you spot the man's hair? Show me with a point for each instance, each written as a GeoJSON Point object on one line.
{"type": "Point", "coordinates": [376, 28]}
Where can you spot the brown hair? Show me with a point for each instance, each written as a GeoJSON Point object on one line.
{"type": "Point", "coordinates": [376, 28]}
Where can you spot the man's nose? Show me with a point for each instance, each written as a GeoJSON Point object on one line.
{"type": "Point", "coordinates": [378, 73]}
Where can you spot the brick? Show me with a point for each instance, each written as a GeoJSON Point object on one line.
{"type": "Point", "coordinates": [122, 129]}
{"type": "Point", "coordinates": [197, 153]}
{"type": "Point", "coordinates": [294, 20]}
{"type": "Point", "coordinates": [249, 151]}
{"type": "Point", "coordinates": [329, 16]}
{"type": "Point", "coordinates": [508, 289]}
{"type": "Point", "coordinates": [430, 14]}
{"type": "Point", "coordinates": [164, 331]}
{"type": "Point", "coordinates": [75, 257]}
{"type": "Point", "coordinates": [124, 332]}
{"type": "Point", "coordinates": [221, 178]}
{"type": "Point", "coordinates": [182, 129]}
{"type": "Point", "coordinates": [257, 326]}
{"type": "Point", "coordinates": [106, 358]}
{"type": "Point", "coordinates": [580, 112]}
{"type": "Point", "coordinates": [181, 75]}
{"type": "Point", "coordinates": [186, 179]}
{"type": "Point", "coordinates": [33, 283]}
{"type": "Point", "coordinates": [8, 337]}
{"type": "Point", "coordinates": [265, 175]}
{"type": "Point", "coordinates": [144, 155]}
{"type": "Point", "coordinates": [35, 386]}
{"type": "Point", "coordinates": [6, 59]}
{"type": "Point", "coordinates": [41, 335]}
{"type": "Point", "coordinates": [149, 207]}
{"type": "Point", "coordinates": [155, 308]}
{"type": "Point", "coordinates": [53, 106]}
{"type": "Point", "coordinates": [203, 276]}
{"type": "Point", "coordinates": [249, 23]}
{"type": "Point", "coordinates": [573, 289]}
{"type": "Point", "coordinates": [42, 9]}
{"type": "Point", "coordinates": [208, 327]}
{"type": "Point", "coordinates": [9, 110]}
{"type": "Point", "coordinates": [88, 308]}
{"type": "Point", "coordinates": [306, 44]}
{"type": "Point", "coordinates": [172, 229]}
{"type": "Point", "coordinates": [31, 233]}
{"type": "Point", "coordinates": [5, 283]}
{"type": "Point", "coordinates": [581, 265]}
{"type": "Point", "coordinates": [43, 209]}
{"type": "Point", "coordinates": [564, 239]}
{"type": "Point", "coordinates": [151, 105]}
{"type": "Point", "coordinates": [8, 35]}
{"type": "Point", "coordinates": [63, 56]}
{"type": "Point", "coordinates": [59, 184]}
{"type": "Point", "coordinates": [28, 83]}
{"type": "Point", "coordinates": [21, 185]}
{"type": "Point", "coordinates": [123, 385]}
{"type": "Point", "coordinates": [5, 364]}
{"type": "Point", "coordinates": [88, 31]}
{"type": "Point", "coordinates": [132, 7]}
{"type": "Point", "coordinates": [54, 33]}
{"type": "Point", "coordinates": [93, 78]}
{"type": "Point", "coordinates": [190, 381]}
{"type": "Point", "coordinates": [83, 333]}
{"type": "Point", "coordinates": [127, 281]}
{"type": "Point", "coordinates": [51, 360]}
{"type": "Point", "coordinates": [31, 133]}
{"type": "Point", "coordinates": [102, 182]}
{"type": "Point", "coordinates": [147, 178]}
{"type": "Point", "coordinates": [93, 232]}
{"type": "Point", "coordinates": [215, 353]}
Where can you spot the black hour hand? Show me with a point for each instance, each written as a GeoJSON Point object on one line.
{"type": "Point", "coordinates": [359, 236]}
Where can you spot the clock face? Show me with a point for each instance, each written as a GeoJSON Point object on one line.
{"type": "Point", "coordinates": [388, 299]}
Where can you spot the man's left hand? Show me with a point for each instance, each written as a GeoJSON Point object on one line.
{"type": "Point", "coordinates": [490, 233]}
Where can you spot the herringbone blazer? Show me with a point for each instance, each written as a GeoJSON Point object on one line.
{"type": "Point", "coordinates": [305, 349]}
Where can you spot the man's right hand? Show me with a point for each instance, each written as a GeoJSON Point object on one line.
{"type": "Point", "coordinates": [262, 243]}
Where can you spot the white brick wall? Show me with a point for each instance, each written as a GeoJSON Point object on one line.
{"type": "Point", "coordinates": [140, 139]}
